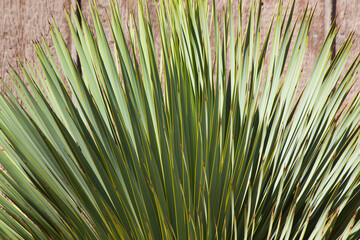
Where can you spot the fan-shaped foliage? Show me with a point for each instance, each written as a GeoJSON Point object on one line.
{"type": "Point", "coordinates": [185, 147]}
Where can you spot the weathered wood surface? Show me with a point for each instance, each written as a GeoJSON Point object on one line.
{"type": "Point", "coordinates": [23, 21]}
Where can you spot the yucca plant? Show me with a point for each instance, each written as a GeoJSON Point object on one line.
{"type": "Point", "coordinates": [197, 140]}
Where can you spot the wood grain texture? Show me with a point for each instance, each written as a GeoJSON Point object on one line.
{"type": "Point", "coordinates": [23, 21]}
{"type": "Point", "coordinates": [348, 20]}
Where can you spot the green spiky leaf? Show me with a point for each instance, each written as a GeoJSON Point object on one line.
{"type": "Point", "coordinates": [196, 139]}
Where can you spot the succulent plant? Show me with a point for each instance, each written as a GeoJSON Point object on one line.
{"type": "Point", "coordinates": [199, 139]}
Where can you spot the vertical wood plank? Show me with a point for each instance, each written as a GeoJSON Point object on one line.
{"type": "Point", "coordinates": [348, 20]}
{"type": "Point", "coordinates": [23, 21]}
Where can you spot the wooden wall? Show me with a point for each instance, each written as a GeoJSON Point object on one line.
{"type": "Point", "coordinates": [23, 21]}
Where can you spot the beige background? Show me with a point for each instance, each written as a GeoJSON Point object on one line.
{"type": "Point", "coordinates": [23, 21]}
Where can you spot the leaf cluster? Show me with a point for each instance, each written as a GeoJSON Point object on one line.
{"type": "Point", "coordinates": [199, 139]}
